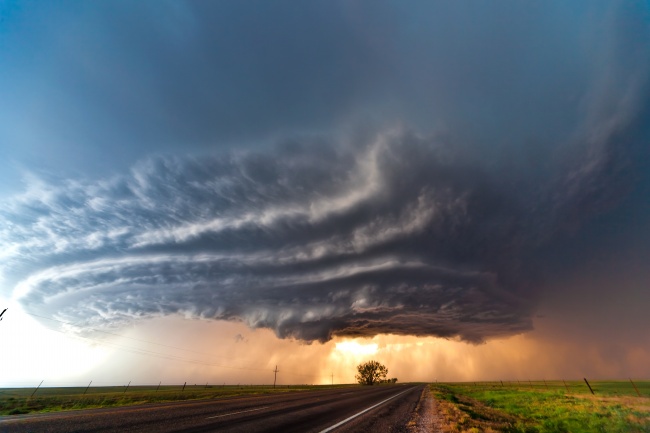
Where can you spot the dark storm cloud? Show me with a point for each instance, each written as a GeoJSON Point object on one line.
{"type": "Point", "coordinates": [395, 235]}
{"type": "Point", "coordinates": [521, 143]}
{"type": "Point", "coordinates": [402, 234]}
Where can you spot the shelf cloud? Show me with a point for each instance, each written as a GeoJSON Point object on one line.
{"type": "Point", "coordinates": [400, 235]}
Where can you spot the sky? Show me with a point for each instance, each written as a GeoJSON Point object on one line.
{"type": "Point", "coordinates": [199, 191]}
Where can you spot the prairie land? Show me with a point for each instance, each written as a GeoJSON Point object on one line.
{"type": "Point", "coordinates": [543, 407]}
{"type": "Point", "coordinates": [15, 401]}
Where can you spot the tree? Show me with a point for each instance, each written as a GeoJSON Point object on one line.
{"type": "Point", "coordinates": [371, 372]}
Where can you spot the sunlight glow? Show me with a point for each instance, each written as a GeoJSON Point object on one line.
{"type": "Point", "coordinates": [354, 348]}
{"type": "Point", "coordinates": [53, 356]}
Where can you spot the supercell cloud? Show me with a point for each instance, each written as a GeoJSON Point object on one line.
{"type": "Point", "coordinates": [399, 235]}
{"type": "Point", "coordinates": [392, 236]}
{"type": "Point", "coordinates": [309, 211]}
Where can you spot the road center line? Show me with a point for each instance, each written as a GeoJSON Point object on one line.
{"type": "Point", "coordinates": [361, 413]}
{"type": "Point", "coordinates": [235, 413]}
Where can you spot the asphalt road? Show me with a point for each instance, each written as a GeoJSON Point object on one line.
{"type": "Point", "coordinates": [369, 409]}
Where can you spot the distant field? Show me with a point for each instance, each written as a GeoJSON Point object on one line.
{"type": "Point", "coordinates": [17, 400]}
{"type": "Point", "coordinates": [544, 407]}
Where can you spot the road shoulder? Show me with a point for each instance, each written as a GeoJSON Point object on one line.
{"type": "Point", "coordinates": [426, 418]}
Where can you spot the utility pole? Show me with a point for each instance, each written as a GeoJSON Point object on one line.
{"type": "Point", "coordinates": [275, 376]}
{"type": "Point", "coordinates": [332, 379]}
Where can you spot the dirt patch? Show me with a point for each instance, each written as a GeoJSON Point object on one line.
{"type": "Point", "coordinates": [462, 414]}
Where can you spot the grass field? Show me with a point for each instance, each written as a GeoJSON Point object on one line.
{"type": "Point", "coordinates": [544, 407]}
{"type": "Point", "coordinates": [17, 400]}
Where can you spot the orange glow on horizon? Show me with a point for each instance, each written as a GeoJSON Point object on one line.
{"type": "Point", "coordinates": [231, 353]}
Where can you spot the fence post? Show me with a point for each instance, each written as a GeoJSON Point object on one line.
{"type": "Point", "coordinates": [39, 385]}
{"type": "Point", "coordinates": [592, 391]}
{"type": "Point", "coordinates": [184, 386]}
{"type": "Point", "coordinates": [635, 388]}
{"type": "Point", "coordinates": [127, 387]}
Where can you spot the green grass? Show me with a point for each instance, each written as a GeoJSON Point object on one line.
{"type": "Point", "coordinates": [545, 407]}
{"type": "Point", "coordinates": [15, 401]}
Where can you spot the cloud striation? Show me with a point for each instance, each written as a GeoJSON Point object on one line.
{"type": "Point", "coordinates": [401, 234]}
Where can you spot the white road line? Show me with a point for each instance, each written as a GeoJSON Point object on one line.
{"type": "Point", "coordinates": [235, 413]}
{"type": "Point", "coordinates": [361, 413]}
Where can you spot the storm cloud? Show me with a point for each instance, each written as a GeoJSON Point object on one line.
{"type": "Point", "coordinates": [399, 235]}
{"type": "Point", "coordinates": [326, 169]}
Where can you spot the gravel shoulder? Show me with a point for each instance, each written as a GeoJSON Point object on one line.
{"type": "Point", "coordinates": [426, 417]}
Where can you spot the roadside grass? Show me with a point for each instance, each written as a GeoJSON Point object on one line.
{"type": "Point", "coordinates": [16, 401]}
{"type": "Point", "coordinates": [544, 407]}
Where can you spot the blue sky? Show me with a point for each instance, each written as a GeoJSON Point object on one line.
{"type": "Point", "coordinates": [103, 85]}
{"type": "Point", "coordinates": [329, 169]}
